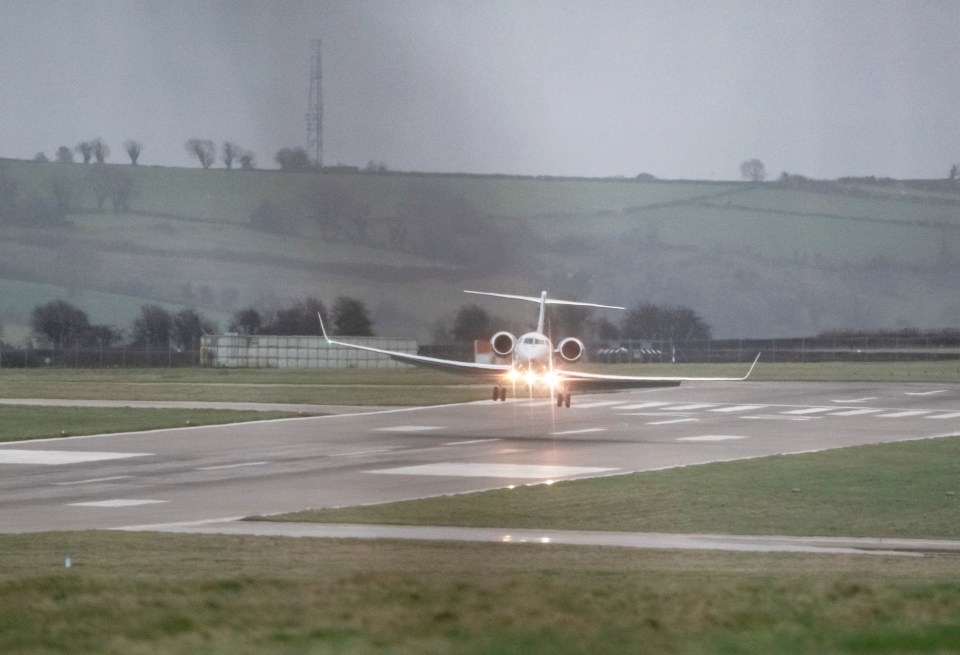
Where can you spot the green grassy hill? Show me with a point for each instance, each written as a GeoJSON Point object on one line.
{"type": "Point", "coordinates": [776, 259]}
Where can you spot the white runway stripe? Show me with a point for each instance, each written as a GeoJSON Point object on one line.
{"type": "Point", "coordinates": [950, 415]}
{"type": "Point", "coordinates": [905, 413]}
{"type": "Point", "coordinates": [58, 457]}
{"type": "Point", "coordinates": [685, 408]}
{"type": "Point", "coordinates": [711, 437]}
{"type": "Point", "coordinates": [602, 403]}
{"type": "Point", "coordinates": [856, 412]}
{"type": "Point", "coordinates": [738, 408]}
{"type": "Point", "coordinates": [643, 405]}
{"type": "Point", "coordinates": [676, 420]}
{"type": "Point", "coordinates": [409, 428]}
{"type": "Point", "coordinates": [119, 502]}
{"type": "Point", "coordinates": [809, 410]}
{"type": "Point", "coordinates": [493, 470]}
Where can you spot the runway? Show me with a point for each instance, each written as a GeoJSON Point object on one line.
{"type": "Point", "coordinates": [214, 474]}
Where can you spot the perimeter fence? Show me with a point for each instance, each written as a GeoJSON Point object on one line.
{"type": "Point", "coordinates": [813, 349]}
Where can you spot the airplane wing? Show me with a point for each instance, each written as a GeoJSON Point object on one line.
{"type": "Point", "coordinates": [421, 360]}
{"type": "Point", "coordinates": [575, 377]}
{"type": "Point", "coordinates": [626, 381]}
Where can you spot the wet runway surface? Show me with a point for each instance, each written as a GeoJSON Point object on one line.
{"type": "Point", "coordinates": [203, 474]}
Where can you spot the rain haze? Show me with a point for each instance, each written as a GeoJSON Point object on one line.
{"type": "Point", "coordinates": [673, 89]}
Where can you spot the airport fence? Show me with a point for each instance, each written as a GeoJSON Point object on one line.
{"type": "Point", "coordinates": [814, 349]}
{"type": "Point", "coordinates": [871, 348]}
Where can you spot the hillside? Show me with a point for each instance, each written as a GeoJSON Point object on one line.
{"type": "Point", "coordinates": [778, 259]}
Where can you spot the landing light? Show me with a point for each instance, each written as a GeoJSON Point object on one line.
{"type": "Point", "coordinates": [531, 378]}
{"type": "Point", "coordinates": [512, 375]}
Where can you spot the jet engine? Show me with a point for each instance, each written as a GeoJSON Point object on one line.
{"type": "Point", "coordinates": [503, 343]}
{"type": "Point", "coordinates": [570, 349]}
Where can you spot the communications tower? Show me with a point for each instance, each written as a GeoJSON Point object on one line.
{"type": "Point", "coordinates": [315, 109]}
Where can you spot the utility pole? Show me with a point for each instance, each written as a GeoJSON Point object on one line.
{"type": "Point", "coordinates": [315, 109]}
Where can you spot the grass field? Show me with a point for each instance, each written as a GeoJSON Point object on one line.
{"type": "Point", "coordinates": [785, 261]}
{"type": "Point", "coordinates": [892, 490]}
{"type": "Point", "coordinates": [129, 593]}
{"type": "Point", "coordinates": [24, 423]}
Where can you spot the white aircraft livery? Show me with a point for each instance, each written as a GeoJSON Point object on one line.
{"type": "Point", "coordinates": [534, 361]}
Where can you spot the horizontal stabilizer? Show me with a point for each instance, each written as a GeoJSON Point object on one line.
{"type": "Point", "coordinates": [544, 299]}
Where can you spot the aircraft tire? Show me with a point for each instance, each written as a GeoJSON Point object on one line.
{"type": "Point", "coordinates": [496, 394]}
{"type": "Point", "coordinates": [559, 400]}
{"type": "Point", "coordinates": [503, 394]}
{"type": "Point", "coordinates": [566, 400]}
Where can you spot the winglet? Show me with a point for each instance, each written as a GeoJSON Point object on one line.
{"type": "Point", "coordinates": [324, 330]}
{"type": "Point", "coordinates": [752, 366]}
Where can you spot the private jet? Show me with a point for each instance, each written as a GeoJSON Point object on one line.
{"type": "Point", "coordinates": [533, 360]}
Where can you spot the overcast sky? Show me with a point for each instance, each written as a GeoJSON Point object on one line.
{"type": "Point", "coordinates": [535, 87]}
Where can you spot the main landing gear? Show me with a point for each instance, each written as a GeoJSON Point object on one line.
{"type": "Point", "coordinates": [500, 393]}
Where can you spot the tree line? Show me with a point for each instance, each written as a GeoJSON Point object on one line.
{"type": "Point", "coordinates": [643, 321]}
{"type": "Point", "coordinates": [59, 324]}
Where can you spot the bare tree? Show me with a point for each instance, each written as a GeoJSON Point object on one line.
{"type": "Point", "coordinates": [954, 175]}
{"type": "Point", "coordinates": [133, 149]}
{"type": "Point", "coordinates": [100, 150]}
{"type": "Point", "coordinates": [85, 148]}
{"type": "Point", "coordinates": [753, 170]}
{"type": "Point", "coordinates": [247, 161]}
{"type": "Point", "coordinates": [230, 152]}
{"type": "Point", "coordinates": [204, 150]}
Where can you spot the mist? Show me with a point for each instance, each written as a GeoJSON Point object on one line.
{"type": "Point", "coordinates": [676, 90]}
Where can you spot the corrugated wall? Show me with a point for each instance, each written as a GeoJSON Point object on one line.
{"type": "Point", "coordinates": [297, 352]}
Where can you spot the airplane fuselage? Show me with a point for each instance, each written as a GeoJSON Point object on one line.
{"type": "Point", "coordinates": [533, 350]}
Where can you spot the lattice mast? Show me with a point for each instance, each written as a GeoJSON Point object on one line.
{"type": "Point", "coordinates": [315, 108]}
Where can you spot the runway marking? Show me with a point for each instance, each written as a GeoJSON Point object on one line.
{"type": "Point", "coordinates": [684, 408]}
{"type": "Point", "coordinates": [711, 437]}
{"type": "Point", "coordinates": [779, 417]}
{"type": "Point", "coordinates": [856, 400]}
{"type": "Point", "coordinates": [59, 457]}
{"type": "Point", "coordinates": [924, 393]}
{"type": "Point", "coordinates": [809, 410]}
{"type": "Point", "coordinates": [92, 481]}
{"type": "Point", "coordinates": [909, 412]}
{"type": "Point", "coordinates": [950, 415]}
{"type": "Point", "coordinates": [643, 405]}
{"type": "Point", "coordinates": [357, 453]}
{"type": "Point", "coordinates": [676, 420]}
{"type": "Point", "coordinates": [584, 431]}
{"type": "Point", "coordinates": [661, 414]}
{"type": "Point", "coordinates": [119, 502]}
{"type": "Point", "coordinates": [602, 403]}
{"type": "Point", "coordinates": [470, 442]}
{"type": "Point", "coordinates": [855, 412]}
{"type": "Point", "coordinates": [493, 470]}
{"type": "Point", "coordinates": [409, 428]}
{"type": "Point", "coordinates": [224, 467]}
{"type": "Point", "coordinates": [738, 408]}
